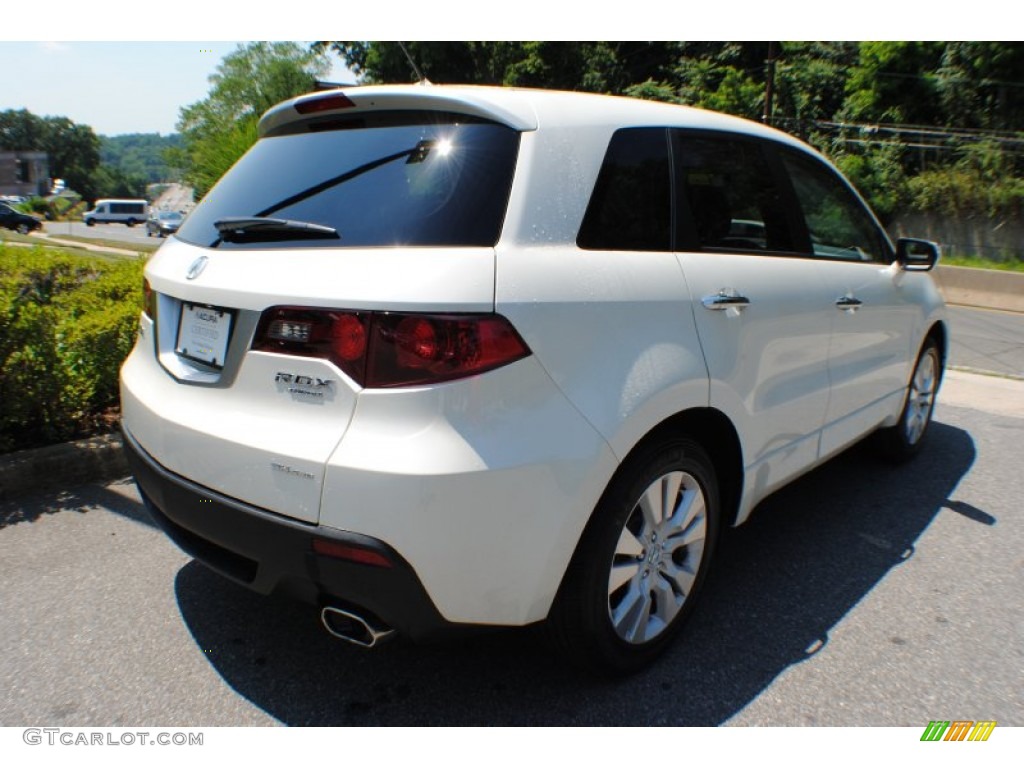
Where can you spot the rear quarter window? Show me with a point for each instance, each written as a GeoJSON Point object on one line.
{"type": "Point", "coordinates": [630, 208]}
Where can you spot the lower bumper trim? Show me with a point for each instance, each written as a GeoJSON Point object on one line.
{"type": "Point", "coordinates": [270, 553]}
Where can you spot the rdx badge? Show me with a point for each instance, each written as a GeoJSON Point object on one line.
{"type": "Point", "coordinates": [303, 385]}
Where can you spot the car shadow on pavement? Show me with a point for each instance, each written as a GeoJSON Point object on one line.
{"type": "Point", "coordinates": [81, 498]}
{"type": "Point", "coordinates": [779, 585]}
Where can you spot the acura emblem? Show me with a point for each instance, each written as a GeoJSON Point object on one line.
{"type": "Point", "coordinates": [196, 267]}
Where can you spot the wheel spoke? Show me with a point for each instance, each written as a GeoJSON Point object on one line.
{"type": "Point", "coordinates": [631, 615]}
{"type": "Point", "coordinates": [669, 601]}
{"type": "Point", "coordinates": [620, 574]}
{"type": "Point", "coordinates": [670, 487]}
{"type": "Point", "coordinates": [629, 545]}
{"type": "Point", "coordinates": [680, 577]}
{"type": "Point", "coordinates": [629, 552]}
{"type": "Point", "coordinates": [691, 520]}
{"type": "Point", "coordinates": [650, 509]}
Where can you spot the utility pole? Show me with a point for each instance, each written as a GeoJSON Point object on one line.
{"type": "Point", "coordinates": [769, 84]}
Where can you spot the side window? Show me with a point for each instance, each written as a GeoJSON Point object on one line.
{"type": "Point", "coordinates": [837, 223]}
{"type": "Point", "coordinates": [729, 197]}
{"type": "Point", "coordinates": [630, 208]}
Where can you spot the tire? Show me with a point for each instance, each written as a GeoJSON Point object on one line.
{"type": "Point", "coordinates": [24, 229]}
{"type": "Point", "coordinates": [637, 572]}
{"type": "Point", "coordinates": [131, 222]}
{"type": "Point", "coordinates": [903, 441]}
{"type": "Point", "coordinates": [90, 223]}
{"type": "Point", "coordinates": [149, 232]}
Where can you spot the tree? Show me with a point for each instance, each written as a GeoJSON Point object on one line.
{"type": "Point", "coordinates": [605, 67]}
{"type": "Point", "coordinates": [980, 85]}
{"type": "Point", "coordinates": [216, 131]}
{"type": "Point", "coordinates": [73, 149]}
{"type": "Point", "coordinates": [810, 82]}
{"type": "Point", "coordinates": [111, 181]}
{"type": "Point", "coordinates": [139, 155]}
{"type": "Point", "coordinates": [894, 82]}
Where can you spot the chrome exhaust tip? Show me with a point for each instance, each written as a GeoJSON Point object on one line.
{"type": "Point", "coordinates": [354, 628]}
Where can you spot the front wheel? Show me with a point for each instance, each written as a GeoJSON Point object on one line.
{"type": "Point", "coordinates": [641, 561]}
{"type": "Point", "coordinates": [904, 440]}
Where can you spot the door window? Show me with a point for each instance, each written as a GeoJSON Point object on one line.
{"type": "Point", "coordinates": [729, 198]}
{"type": "Point", "coordinates": [837, 223]}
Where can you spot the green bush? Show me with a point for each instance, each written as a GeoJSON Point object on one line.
{"type": "Point", "coordinates": [66, 325]}
{"type": "Point", "coordinates": [35, 205]}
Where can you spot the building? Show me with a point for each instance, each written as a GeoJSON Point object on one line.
{"type": "Point", "coordinates": [24, 173]}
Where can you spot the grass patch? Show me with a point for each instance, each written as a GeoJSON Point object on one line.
{"type": "Point", "coordinates": [56, 248]}
{"type": "Point", "coordinates": [108, 243]}
{"type": "Point", "coordinates": [978, 262]}
{"type": "Point", "coordinates": [10, 236]}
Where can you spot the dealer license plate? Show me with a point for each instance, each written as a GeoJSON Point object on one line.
{"type": "Point", "coordinates": [203, 334]}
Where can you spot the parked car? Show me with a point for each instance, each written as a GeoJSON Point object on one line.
{"type": "Point", "coordinates": [18, 221]}
{"type": "Point", "coordinates": [163, 223]}
{"type": "Point", "coordinates": [435, 358]}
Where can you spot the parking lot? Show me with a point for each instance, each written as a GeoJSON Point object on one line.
{"type": "Point", "coordinates": [862, 595]}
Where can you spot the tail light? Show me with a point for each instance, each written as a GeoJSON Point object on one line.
{"type": "Point", "coordinates": [392, 349]}
{"type": "Point", "coordinates": [148, 299]}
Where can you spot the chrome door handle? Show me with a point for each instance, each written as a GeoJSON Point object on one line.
{"type": "Point", "coordinates": [848, 303]}
{"type": "Point", "coordinates": [725, 300]}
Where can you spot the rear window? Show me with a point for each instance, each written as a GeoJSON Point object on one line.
{"type": "Point", "coordinates": [383, 179]}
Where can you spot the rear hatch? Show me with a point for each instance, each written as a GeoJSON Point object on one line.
{"type": "Point", "coordinates": [366, 216]}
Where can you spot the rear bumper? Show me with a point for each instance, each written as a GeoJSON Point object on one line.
{"type": "Point", "coordinates": [269, 553]}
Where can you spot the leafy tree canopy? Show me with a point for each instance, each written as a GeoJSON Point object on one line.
{"type": "Point", "coordinates": [73, 149]}
{"type": "Point", "coordinates": [216, 131]}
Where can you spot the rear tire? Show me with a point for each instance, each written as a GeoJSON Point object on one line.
{"type": "Point", "coordinates": [902, 442]}
{"type": "Point", "coordinates": [641, 561]}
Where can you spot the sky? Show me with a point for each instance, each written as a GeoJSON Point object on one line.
{"type": "Point", "coordinates": [115, 87]}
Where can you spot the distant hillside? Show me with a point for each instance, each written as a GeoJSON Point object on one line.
{"type": "Point", "coordinates": [139, 155]}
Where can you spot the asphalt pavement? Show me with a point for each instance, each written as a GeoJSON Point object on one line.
{"type": "Point", "coordinates": [987, 340]}
{"type": "Point", "coordinates": [129, 235]}
{"type": "Point", "coordinates": [863, 594]}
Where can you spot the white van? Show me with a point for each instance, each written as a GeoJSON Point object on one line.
{"type": "Point", "coordinates": [130, 212]}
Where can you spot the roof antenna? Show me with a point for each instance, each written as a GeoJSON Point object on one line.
{"type": "Point", "coordinates": [420, 76]}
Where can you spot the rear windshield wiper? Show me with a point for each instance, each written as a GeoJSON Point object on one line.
{"type": "Point", "coordinates": [253, 229]}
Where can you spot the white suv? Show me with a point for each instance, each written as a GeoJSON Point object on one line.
{"type": "Point", "coordinates": [433, 357]}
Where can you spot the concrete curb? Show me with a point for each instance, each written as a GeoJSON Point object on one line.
{"type": "Point", "coordinates": [56, 467]}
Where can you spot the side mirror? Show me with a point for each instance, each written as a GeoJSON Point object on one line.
{"type": "Point", "coordinates": [916, 255]}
